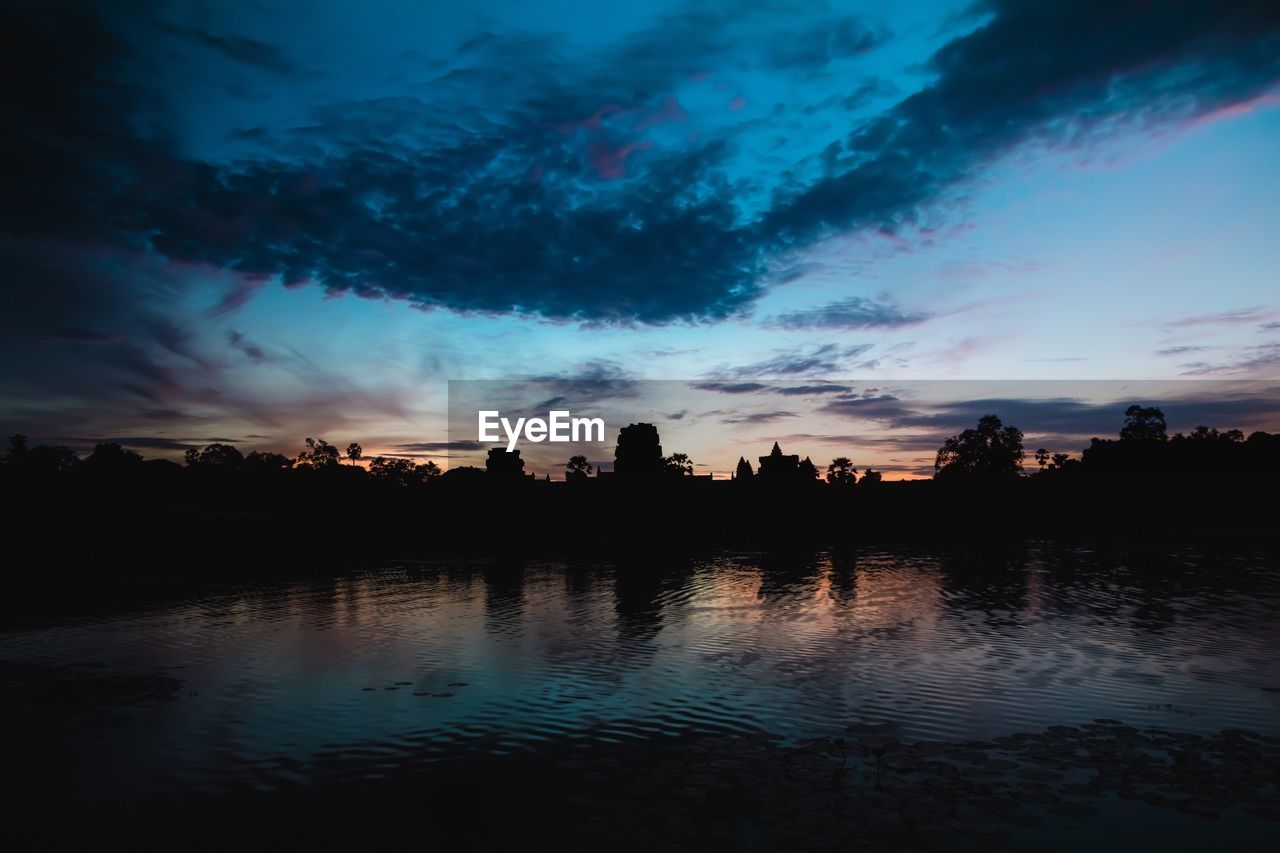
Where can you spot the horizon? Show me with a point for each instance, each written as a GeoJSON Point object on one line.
{"type": "Point", "coordinates": [914, 419]}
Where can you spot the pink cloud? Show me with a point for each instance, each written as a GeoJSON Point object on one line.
{"type": "Point", "coordinates": [610, 163]}
{"type": "Point", "coordinates": [961, 350]}
{"type": "Point", "coordinates": [1262, 102]}
{"type": "Point", "coordinates": [596, 121]}
{"type": "Point", "coordinates": [670, 111]}
{"type": "Point", "coordinates": [737, 103]}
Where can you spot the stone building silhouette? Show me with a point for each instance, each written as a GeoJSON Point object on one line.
{"type": "Point", "coordinates": [638, 451]}
{"type": "Point", "coordinates": [785, 466]}
{"type": "Point", "coordinates": [778, 465]}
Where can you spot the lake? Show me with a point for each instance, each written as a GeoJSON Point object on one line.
{"type": "Point", "coordinates": [256, 686]}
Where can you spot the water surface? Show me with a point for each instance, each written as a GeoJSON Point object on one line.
{"type": "Point", "coordinates": [260, 685]}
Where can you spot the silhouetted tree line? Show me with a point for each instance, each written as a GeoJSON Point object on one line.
{"type": "Point", "coordinates": [324, 501]}
{"type": "Point", "coordinates": [991, 450]}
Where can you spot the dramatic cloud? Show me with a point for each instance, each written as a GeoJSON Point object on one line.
{"type": "Point", "coordinates": [557, 195]}
{"type": "Point", "coordinates": [1049, 70]}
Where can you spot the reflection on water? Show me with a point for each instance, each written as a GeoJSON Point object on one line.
{"type": "Point", "coordinates": [422, 661]}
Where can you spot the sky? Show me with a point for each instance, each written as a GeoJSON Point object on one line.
{"type": "Point", "coordinates": [255, 222]}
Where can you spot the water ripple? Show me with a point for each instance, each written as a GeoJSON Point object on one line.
{"type": "Point", "coordinates": [422, 662]}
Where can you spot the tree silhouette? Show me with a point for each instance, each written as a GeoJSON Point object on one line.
{"type": "Point", "coordinates": [841, 472]}
{"type": "Point", "coordinates": [217, 454]}
{"type": "Point", "coordinates": [990, 450]}
{"type": "Point", "coordinates": [1204, 433]}
{"type": "Point", "coordinates": [679, 465]}
{"type": "Point", "coordinates": [871, 477]}
{"type": "Point", "coordinates": [319, 454]}
{"type": "Point", "coordinates": [1143, 424]}
{"type": "Point", "coordinates": [1042, 458]}
{"type": "Point", "coordinates": [354, 452]}
{"type": "Point", "coordinates": [40, 460]}
{"type": "Point", "coordinates": [577, 468]}
{"type": "Point", "coordinates": [391, 469]}
{"type": "Point", "coordinates": [263, 461]}
{"type": "Point", "coordinates": [109, 454]}
{"type": "Point", "coordinates": [743, 471]}
{"type": "Point", "coordinates": [17, 447]}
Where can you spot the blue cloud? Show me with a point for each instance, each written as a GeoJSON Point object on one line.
{"type": "Point", "coordinates": [525, 174]}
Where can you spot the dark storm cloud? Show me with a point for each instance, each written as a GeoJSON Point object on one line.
{"type": "Point", "coordinates": [533, 203]}
{"type": "Point", "coordinates": [1054, 71]}
{"type": "Point", "coordinates": [854, 313]}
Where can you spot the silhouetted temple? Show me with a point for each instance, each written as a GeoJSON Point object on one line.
{"type": "Point", "coordinates": [638, 451]}
{"type": "Point", "coordinates": [777, 464]}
